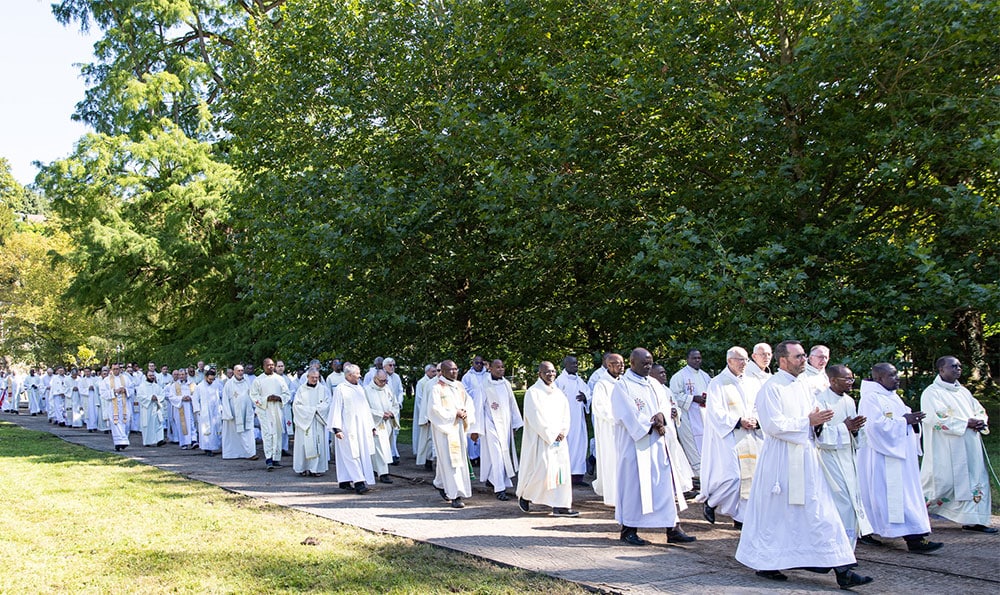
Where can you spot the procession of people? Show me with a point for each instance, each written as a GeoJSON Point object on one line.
{"type": "Point", "coordinates": [802, 470]}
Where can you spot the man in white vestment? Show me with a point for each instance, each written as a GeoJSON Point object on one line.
{"type": "Point", "coordinates": [12, 400]}
{"type": "Point", "coordinates": [151, 405]}
{"type": "Point", "coordinates": [288, 427]}
{"type": "Point", "coordinates": [599, 374]}
{"type": "Point", "coordinates": [578, 399]}
{"type": "Point", "coordinates": [837, 442]}
{"type": "Point", "coordinates": [815, 375]}
{"type": "Point", "coordinates": [653, 472]}
{"type": "Point", "coordinates": [606, 469]}
{"type": "Point", "coordinates": [116, 408]}
{"type": "Point", "coordinates": [474, 381]}
{"type": "Point", "coordinates": [311, 453]}
{"type": "Point", "coordinates": [46, 386]}
{"type": "Point", "coordinates": [732, 441]}
{"type": "Point", "coordinates": [207, 406]}
{"type": "Point", "coordinates": [269, 393]}
{"type": "Point", "coordinates": [394, 384]}
{"type": "Point", "coordinates": [791, 521]}
{"type": "Point", "coordinates": [385, 415]}
{"type": "Point", "coordinates": [376, 366]}
{"type": "Point", "coordinates": [199, 373]}
{"type": "Point", "coordinates": [180, 394]}
{"type": "Point", "coordinates": [953, 474]}
{"type": "Point", "coordinates": [91, 391]}
{"type": "Point", "coordinates": [500, 416]}
{"type": "Point", "coordinates": [423, 442]}
{"type": "Point", "coordinates": [59, 389]}
{"type": "Point", "coordinates": [33, 384]}
{"type": "Point", "coordinates": [689, 386]}
{"type": "Point", "coordinates": [545, 475]}
{"type": "Point", "coordinates": [165, 376]}
{"type": "Point", "coordinates": [451, 412]}
{"type": "Point", "coordinates": [337, 374]}
{"type": "Point", "coordinates": [74, 401]}
{"type": "Point", "coordinates": [237, 418]}
{"type": "Point", "coordinates": [350, 420]}
{"type": "Point", "coordinates": [888, 471]}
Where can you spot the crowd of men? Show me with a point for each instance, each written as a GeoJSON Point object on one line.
{"type": "Point", "coordinates": [801, 469]}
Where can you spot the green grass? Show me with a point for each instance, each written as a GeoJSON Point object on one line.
{"type": "Point", "coordinates": [81, 521]}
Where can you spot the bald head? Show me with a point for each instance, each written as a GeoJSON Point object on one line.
{"type": "Point", "coordinates": [640, 361]}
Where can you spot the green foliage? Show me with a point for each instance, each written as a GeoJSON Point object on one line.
{"type": "Point", "coordinates": [530, 178]}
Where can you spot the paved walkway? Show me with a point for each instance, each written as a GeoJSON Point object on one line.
{"type": "Point", "coordinates": [584, 550]}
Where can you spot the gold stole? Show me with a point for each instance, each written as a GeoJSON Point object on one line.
{"type": "Point", "coordinates": [184, 427]}
{"type": "Point", "coordinates": [115, 413]}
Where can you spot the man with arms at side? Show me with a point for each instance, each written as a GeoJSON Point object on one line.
{"type": "Point", "coordinates": [953, 474]}
{"type": "Point", "coordinates": [237, 418]}
{"type": "Point", "coordinates": [207, 404]}
{"type": "Point", "coordinates": [545, 459]}
{"type": "Point", "coordinates": [269, 394]}
{"type": "Point", "coordinates": [423, 442]}
{"type": "Point", "coordinates": [606, 469]}
{"type": "Point", "coordinates": [350, 420]}
{"type": "Point", "coordinates": [150, 398]}
{"type": "Point", "coordinates": [384, 414]}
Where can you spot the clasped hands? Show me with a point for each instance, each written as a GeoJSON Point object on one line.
{"type": "Point", "coordinates": [659, 423]}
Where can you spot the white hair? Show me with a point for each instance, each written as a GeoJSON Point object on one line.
{"type": "Point", "coordinates": [758, 347]}
{"type": "Point", "coordinates": [429, 367]}
{"type": "Point", "coordinates": [350, 368]}
{"type": "Point", "coordinates": [388, 361]}
{"type": "Point", "coordinates": [736, 352]}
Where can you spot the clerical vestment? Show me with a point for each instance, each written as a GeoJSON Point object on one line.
{"type": "Point", "coordinates": [545, 476]}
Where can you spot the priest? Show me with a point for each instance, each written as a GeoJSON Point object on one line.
{"type": "Point", "coordinates": [237, 418]}
{"type": "Point", "coordinates": [606, 469]}
{"type": "Point", "coordinates": [545, 475]}
{"type": "Point", "coordinates": [500, 417]}
{"type": "Point", "coordinates": [689, 387]}
{"type": "Point", "coordinates": [423, 443]}
{"type": "Point", "coordinates": [887, 462]}
{"type": "Point", "coordinates": [350, 421]}
{"type": "Point", "coordinates": [114, 394]}
{"type": "Point", "coordinates": [451, 413]}
{"type": "Point", "coordinates": [207, 405]}
{"type": "Point", "coordinates": [310, 409]}
{"type": "Point", "coordinates": [732, 441]}
{"type": "Point", "coordinates": [791, 521]}
{"type": "Point", "coordinates": [150, 398]}
{"type": "Point", "coordinates": [578, 399]}
{"type": "Point", "coordinates": [385, 414]}
{"type": "Point", "coordinates": [269, 393]}
{"type": "Point", "coordinates": [953, 474]}
{"type": "Point", "coordinates": [179, 393]}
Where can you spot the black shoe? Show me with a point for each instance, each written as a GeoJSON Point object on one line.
{"type": "Point", "coordinates": [691, 494]}
{"type": "Point", "coordinates": [285, 453]}
{"type": "Point", "coordinates": [444, 495]}
{"type": "Point", "coordinates": [161, 442]}
{"type": "Point", "coordinates": [564, 512]}
{"type": "Point", "coordinates": [194, 446]}
{"type": "Point", "coordinates": [474, 462]}
{"type": "Point", "coordinates": [709, 513]}
{"type": "Point", "coordinates": [270, 467]}
{"type": "Point", "coordinates": [849, 579]}
{"type": "Point", "coordinates": [277, 465]}
{"type": "Point", "coordinates": [385, 478]}
{"type": "Point", "coordinates": [524, 505]}
{"type": "Point", "coordinates": [457, 503]}
{"type": "Point", "coordinates": [869, 540]}
{"type": "Point", "coordinates": [737, 525]}
{"type": "Point", "coordinates": [429, 465]}
{"type": "Point", "coordinates": [345, 485]}
{"type": "Point", "coordinates": [360, 488]}
{"type": "Point", "coordinates": [677, 535]}
{"type": "Point", "coordinates": [591, 465]}
{"type": "Point", "coordinates": [924, 546]}
{"type": "Point", "coordinates": [774, 575]}
{"type": "Point", "coordinates": [502, 496]}
{"type": "Point", "coordinates": [633, 538]}
{"type": "Point", "coordinates": [395, 461]}
{"type": "Point", "coordinates": [980, 529]}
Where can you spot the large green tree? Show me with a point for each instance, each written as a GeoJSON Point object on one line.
{"type": "Point", "coordinates": [535, 177]}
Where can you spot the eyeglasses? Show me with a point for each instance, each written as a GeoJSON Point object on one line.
{"type": "Point", "coordinates": [848, 379]}
{"type": "Point", "coordinates": [799, 356]}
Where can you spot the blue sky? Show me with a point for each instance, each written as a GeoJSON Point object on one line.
{"type": "Point", "coordinates": [40, 85]}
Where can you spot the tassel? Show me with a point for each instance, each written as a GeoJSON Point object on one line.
{"type": "Point", "coordinates": [776, 489]}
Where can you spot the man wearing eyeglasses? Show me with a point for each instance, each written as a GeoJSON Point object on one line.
{"type": "Point", "coordinates": [837, 443]}
{"type": "Point", "coordinates": [953, 473]}
{"type": "Point", "coordinates": [791, 521]}
{"type": "Point", "coordinates": [815, 373]}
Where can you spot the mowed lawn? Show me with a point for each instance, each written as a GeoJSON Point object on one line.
{"type": "Point", "coordinates": [75, 520]}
